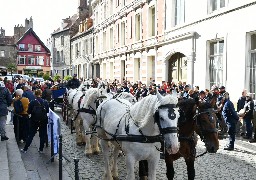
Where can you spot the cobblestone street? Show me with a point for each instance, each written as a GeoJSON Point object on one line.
{"type": "Point", "coordinates": [237, 164]}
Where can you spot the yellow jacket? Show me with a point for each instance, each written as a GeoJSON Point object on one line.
{"type": "Point", "coordinates": [25, 103]}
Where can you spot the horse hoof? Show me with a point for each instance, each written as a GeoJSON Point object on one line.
{"type": "Point", "coordinates": [88, 154]}
{"type": "Point", "coordinates": [143, 178]}
{"type": "Point", "coordinates": [115, 178]}
{"type": "Point", "coordinates": [80, 144]}
{"type": "Point", "coordinates": [96, 152]}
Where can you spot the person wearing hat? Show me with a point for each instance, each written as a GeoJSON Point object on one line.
{"type": "Point", "coordinates": [73, 83]}
{"type": "Point", "coordinates": [231, 118]}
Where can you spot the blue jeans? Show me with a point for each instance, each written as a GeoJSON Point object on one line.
{"type": "Point", "coordinates": [248, 125]}
{"type": "Point", "coordinates": [232, 133]}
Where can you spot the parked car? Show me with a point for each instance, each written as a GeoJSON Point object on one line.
{"type": "Point", "coordinates": [38, 79]}
{"type": "Point", "coordinates": [9, 77]}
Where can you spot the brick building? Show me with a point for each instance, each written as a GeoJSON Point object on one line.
{"type": "Point", "coordinates": [33, 57]}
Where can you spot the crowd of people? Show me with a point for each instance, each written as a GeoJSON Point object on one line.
{"type": "Point", "coordinates": [30, 102]}
{"type": "Point", "coordinates": [36, 93]}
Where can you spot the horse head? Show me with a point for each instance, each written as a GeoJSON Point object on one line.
{"type": "Point", "coordinates": [166, 117]}
{"type": "Point", "coordinates": [206, 124]}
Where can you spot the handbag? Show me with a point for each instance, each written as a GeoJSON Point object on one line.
{"type": "Point", "coordinates": [241, 113]}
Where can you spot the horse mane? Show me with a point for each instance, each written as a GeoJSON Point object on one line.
{"type": "Point", "coordinates": [145, 108]}
{"type": "Point", "coordinates": [89, 96]}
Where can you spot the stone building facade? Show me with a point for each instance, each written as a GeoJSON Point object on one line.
{"type": "Point", "coordinates": [7, 49]}
{"type": "Point", "coordinates": [174, 40]}
{"type": "Point", "coordinates": [82, 50]}
{"type": "Point", "coordinates": [61, 38]}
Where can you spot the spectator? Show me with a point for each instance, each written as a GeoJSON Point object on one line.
{"type": "Point", "coordinates": [240, 105]}
{"type": "Point", "coordinates": [249, 106]}
{"type": "Point", "coordinates": [21, 117]}
{"type": "Point", "coordinates": [35, 124]}
{"type": "Point", "coordinates": [28, 93]}
{"type": "Point", "coordinates": [9, 86]}
{"type": "Point", "coordinates": [73, 83]}
{"type": "Point", "coordinates": [5, 101]}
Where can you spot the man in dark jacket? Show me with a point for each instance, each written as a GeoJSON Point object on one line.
{"type": "Point", "coordinates": [5, 101]}
{"type": "Point", "coordinates": [42, 125]}
{"type": "Point", "coordinates": [230, 116]}
{"type": "Point", "coordinates": [249, 107]}
{"type": "Point", "coordinates": [240, 105]}
{"type": "Point", "coordinates": [73, 83]}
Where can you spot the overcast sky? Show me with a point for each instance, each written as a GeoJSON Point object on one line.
{"type": "Point", "coordinates": [47, 14]}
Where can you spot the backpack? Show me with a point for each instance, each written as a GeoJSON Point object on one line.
{"type": "Point", "coordinates": [39, 113]}
{"type": "Point", "coordinates": [18, 106]}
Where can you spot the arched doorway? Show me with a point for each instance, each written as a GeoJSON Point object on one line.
{"type": "Point", "coordinates": [177, 68]}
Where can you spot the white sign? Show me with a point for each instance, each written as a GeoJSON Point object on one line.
{"type": "Point", "coordinates": [33, 67]}
{"type": "Point", "coordinates": [55, 119]}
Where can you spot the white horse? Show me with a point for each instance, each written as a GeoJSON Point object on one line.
{"type": "Point", "coordinates": [119, 121]}
{"type": "Point", "coordinates": [89, 103]}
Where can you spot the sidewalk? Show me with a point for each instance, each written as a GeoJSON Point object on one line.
{"type": "Point", "coordinates": [36, 166]}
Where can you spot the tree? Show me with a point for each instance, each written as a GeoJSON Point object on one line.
{"type": "Point", "coordinates": [56, 77]}
{"type": "Point", "coordinates": [46, 76]}
{"type": "Point", "coordinates": [12, 67]}
{"type": "Point", "coordinates": [67, 78]}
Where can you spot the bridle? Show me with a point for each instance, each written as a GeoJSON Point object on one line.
{"type": "Point", "coordinates": [203, 131]}
{"type": "Point", "coordinates": [172, 116]}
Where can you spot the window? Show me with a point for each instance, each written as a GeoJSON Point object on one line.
{"type": "Point", "coordinates": [47, 61]}
{"type": "Point", "coordinates": [2, 54]}
{"type": "Point", "coordinates": [123, 33]}
{"type": "Point", "coordinates": [58, 57]}
{"type": "Point", "coordinates": [91, 45]}
{"type": "Point", "coordinates": [137, 27]}
{"type": "Point", "coordinates": [22, 59]}
{"type": "Point", "coordinates": [111, 7]}
{"type": "Point", "coordinates": [31, 60]}
{"type": "Point", "coordinates": [71, 54]}
{"type": "Point", "coordinates": [30, 47]}
{"type": "Point", "coordinates": [111, 38]}
{"type": "Point", "coordinates": [179, 12]}
{"type": "Point", "coordinates": [251, 67]}
{"type": "Point", "coordinates": [40, 60]}
{"type": "Point", "coordinates": [76, 50]}
{"type": "Point", "coordinates": [216, 4]}
{"type": "Point", "coordinates": [152, 16]}
{"type": "Point", "coordinates": [216, 63]}
{"type": "Point", "coordinates": [62, 40]}
{"type": "Point", "coordinates": [104, 41]}
{"type": "Point", "coordinates": [86, 47]}
{"type": "Point", "coordinates": [131, 28]}
{"type": "Point", "coordinates": [38, 48]}
{"type": "Point", "coordinates": [22, 47]}
{"type": "Point", "coordinates": [61, 56]}
{"type": "Point", "coordinates": [79, 49]}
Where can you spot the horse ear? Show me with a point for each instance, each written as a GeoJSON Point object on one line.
{"type": "Point", "coordinates": [159, 96]}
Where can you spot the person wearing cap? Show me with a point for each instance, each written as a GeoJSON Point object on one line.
{"type": "Point", "coordinates": [5, 101]}
{"type": "Point", "coordinates": [231, 118]}
{"type": "Point", "coordinates": [73, 83]}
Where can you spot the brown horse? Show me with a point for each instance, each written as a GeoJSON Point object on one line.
{"type": "Point", "coordinates": [199, 117]}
